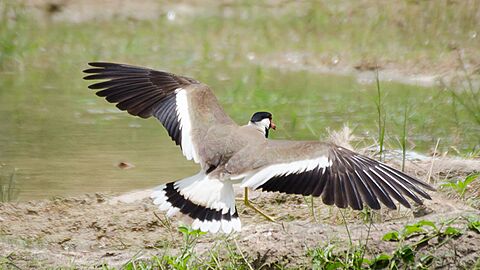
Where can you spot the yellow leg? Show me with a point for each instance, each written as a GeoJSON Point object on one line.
{"type": "Point", "coordinates": [249, 204]}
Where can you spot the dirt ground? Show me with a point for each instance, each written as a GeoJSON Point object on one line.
{"type": "Point", "coordinates": [88, 231]}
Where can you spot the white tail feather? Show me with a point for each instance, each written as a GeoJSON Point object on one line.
{"type": "Point", "coordinates": [212, 193]}
{"type": "Point", "coordinates": [209, 202]}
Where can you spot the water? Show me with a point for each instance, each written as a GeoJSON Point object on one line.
{"type": "Point", "coordinates": [64, 140]}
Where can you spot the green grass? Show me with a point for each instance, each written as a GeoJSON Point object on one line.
{"type": "Point", "coordinates": [7, 263]}
{"type": "Point", "coordinates": [8, 184]}
{"type": "Point", "coordinates": [416, 245]}
{"type": "Point", "coordinates": [412, 247]}
{"type": "Point", "coordinates": [47, 111]}
{"type": "Point", "coordinates": [226, 254]}
{"type": "Point", "coordinates": [405, 31]}
{"type": "Point", "coordinates": [14, 23]}
{"type": "Point", "coordinates": [382, 116]}
{"type": "Point", "coordinates": [460, 187]}
{"type": "Point", "coordinates": [403, 138]}
{"type": "Point", "coordinates": [465, 90]}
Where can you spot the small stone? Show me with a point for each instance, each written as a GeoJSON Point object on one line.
{"type": "Point", "coordinates": [421, 210]}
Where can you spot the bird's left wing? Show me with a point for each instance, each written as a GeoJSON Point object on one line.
{"type": "Point", "coordinates": [342, 177]}
{"type": "Point", "coordinates": [185, 107]}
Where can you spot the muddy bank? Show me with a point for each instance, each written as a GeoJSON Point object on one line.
{"type": "Point", "coordinates": [95, 229]}
{"type": "Point", "coordinates": [90, 230]}
{"type": "Point", "coordinates": [365, 71]}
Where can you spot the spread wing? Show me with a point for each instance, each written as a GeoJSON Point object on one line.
{"type": "Point", "coordinates": [340, 176]}
{"type": "Point", "coordinates": [185, 107]}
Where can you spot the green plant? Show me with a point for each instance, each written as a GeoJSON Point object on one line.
{"type": "Point", "coordinates": [381, 116]}
{"type": "Point", "coordinates": [311, 205]}
{"type": "Point", "coordinates": [14, 24]}
{"type": "Point", "coordinates": [411, 239]}
{"type": "Point", "coordinates": [182, 261]}
{"type": "Point", "coordinates": [473, 223]}
{"type": "Point", "coordinates": [403, 257]}
{"type": "Point", "coordinates": [351, 258]}
{"type": "Point", "coordinates": [474, 153]}
{"type": "Point", "coordinates": [8, 189]}
{"type": "Point", "coordinates": [190, 238]}
{"type": "Point", "coordinates": [326, 258]}
{"type": "Point", "coordinates": [460, 186]}
{"type": "Point", "coordinates": [403, 141]}
{"type": "Point", "coordinates": [424, 231]}
{"type": "Point", "coordinates": [225, 254]}
{"type": "Point", "coordinates": [471, 98]}
{"type": "Point", "coordinates": [7, 263]}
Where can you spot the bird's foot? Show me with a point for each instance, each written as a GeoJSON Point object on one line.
{"type": "Point", "coordinates": [269, 218]}
{"type": "Point", "coordinates": [247, 203]}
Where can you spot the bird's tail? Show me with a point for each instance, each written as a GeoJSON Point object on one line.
{"type": "Point", "coordinates": [209, 202]}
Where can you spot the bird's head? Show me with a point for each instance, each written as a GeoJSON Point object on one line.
{"type": "Point", "coordinates": [263, 121]}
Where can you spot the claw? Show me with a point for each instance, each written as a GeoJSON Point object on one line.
{"type": "Point", "coordinates": [249, 204]}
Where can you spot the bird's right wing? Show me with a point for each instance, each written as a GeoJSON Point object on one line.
{"type": "Point", "coordinates": [185, 107]}
{"type": "Point", "coordinates": [340, 176]}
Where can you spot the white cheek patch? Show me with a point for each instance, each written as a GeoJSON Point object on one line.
{"type": "Point", "coordinates": [261, 176]}
{"type": "Point", "coordinates": [262, 125]}
{"type": "Point", "coordinates": [183, 114]}
{"type": "Point", "coordinates": [265, 123]}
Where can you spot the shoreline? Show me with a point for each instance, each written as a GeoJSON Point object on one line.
{"type": "Point", "coordinates": [94, 229]}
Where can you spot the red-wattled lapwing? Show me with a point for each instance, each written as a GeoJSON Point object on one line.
{"type": "Point", "coordinates": [232, 154]}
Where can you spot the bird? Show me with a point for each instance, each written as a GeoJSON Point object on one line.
{"type": "Point", "coordinates": [231, 154]}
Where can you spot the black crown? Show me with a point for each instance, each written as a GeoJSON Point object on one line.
{"type": "Point", "coordinates": [259, 116]}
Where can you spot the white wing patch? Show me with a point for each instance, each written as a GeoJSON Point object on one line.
{"type": "Point", "coordinates": [183, 114]}
{"type": "Point", "coordinates": [259, 177]}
